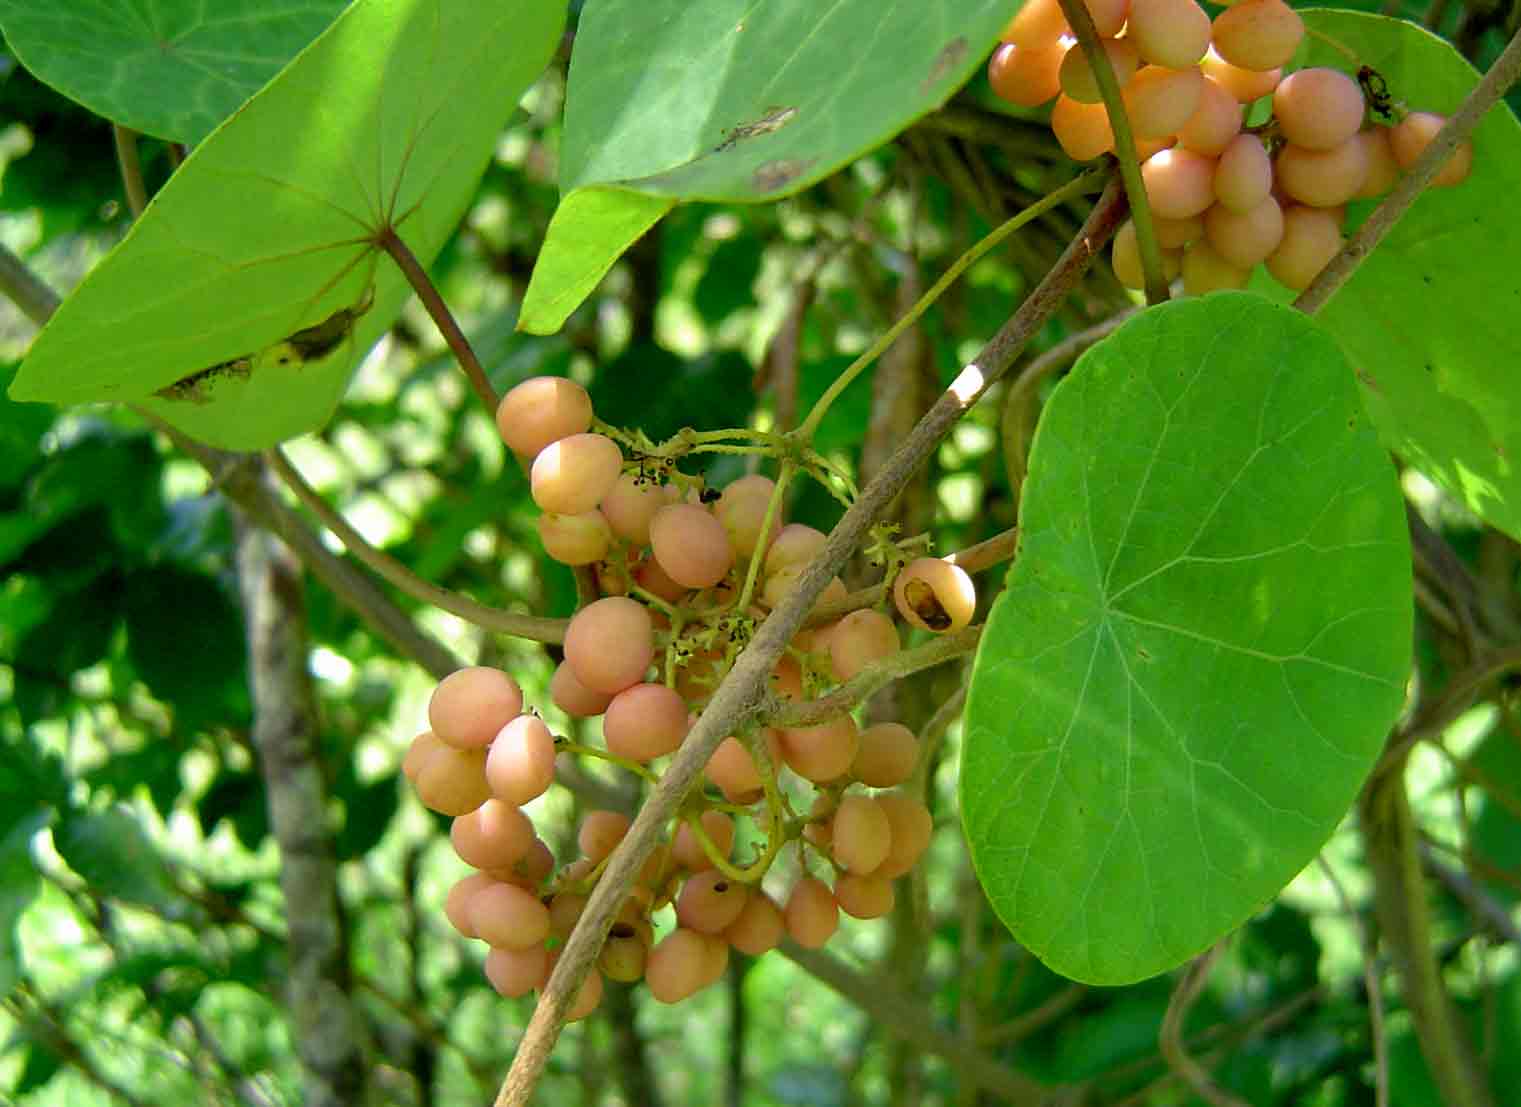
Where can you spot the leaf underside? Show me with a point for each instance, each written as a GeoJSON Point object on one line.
{"type": "Point", "coordinates": [240, 304]}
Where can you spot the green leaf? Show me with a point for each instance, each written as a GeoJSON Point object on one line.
{"type": "Point", "coordinates": [1496, 830]}
{"type": "Point", "coordinates": [1424, 319]}
{"type": "Point", "coordinates": [736, 101]}
{"type": "Point", "coordinates": [264, 283]}
{"type": "Point", "coordinates": [185, 639]}
{"type": "Point", "coordinates": [21, 429]}
{"type": "Point", "coordinates": [170, 68]}
{"type": "Point", "coordinates": [238, 797]}
{"type": "Point", "coordinates": [19, 884]}
{"type": "Point", "coordinates": [41, 1065]}
{"type": "Point", "coordinates": [112, 853]}
{"type": "Point", "coordinates": [1202, 645]}
{"type": "Point", "coordinates": [77, 632]}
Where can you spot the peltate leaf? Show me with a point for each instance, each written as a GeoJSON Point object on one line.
{"type": "Point", "coordinates": [737, 101]}
{"type": "Point", "coordinates": [1202, 645]}
{"type": "Point", "coordinates": [170, 68]}
{"type": "Point", "coordinates": [1423, 319]}
{"type": "Point", "coordinates": [240, 303]}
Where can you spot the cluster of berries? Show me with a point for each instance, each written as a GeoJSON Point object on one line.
{"type": "Point", "coordinates": [1226, 197]}
{"type": "Point", "coordinates": [683, 576]}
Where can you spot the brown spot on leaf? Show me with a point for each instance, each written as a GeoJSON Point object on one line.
{"type": "Point", "coordinates": [950, 57]}
{"type": "Point", "coordinates": [779, 173]}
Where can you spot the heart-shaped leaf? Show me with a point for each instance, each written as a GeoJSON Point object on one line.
{"type": "Point", "coordinates": [1203, 642]}
{"type": "Point", "coordinates": [170, 68]}
{"type": "Point", "coordinates": [733, 100]}
{"type": "Point", "coordinates": [239, 305]}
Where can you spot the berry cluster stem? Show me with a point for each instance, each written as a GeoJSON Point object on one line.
{"type": "Point", "coordinates": [741, 695]}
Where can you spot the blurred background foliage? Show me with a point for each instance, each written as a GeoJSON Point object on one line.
{"type": "Point", "coordinates": [142, 926]}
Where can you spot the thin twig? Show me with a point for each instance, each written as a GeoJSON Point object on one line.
{"type": "Point", "coordinates": [1023, 1025]}
{"type": "Point", "coordinates": [1171, 1039]}
{"type": "Point", "coordinates": [987, 553]}
{"type": "Point", "coordinates": [1078, 186]}
{"type": "Point", "coordinates": [1456, 697]}
{"type": "Point", "coordinates": [25, 289]}
{"type": "Point", "coordinates": [909, 1019]}
{"type": "Point", "coordinates": [1370, 985]}
{"type": "Point", "coordinates": [386, 566]}
{"type": "Point", "coordinates": [1460, 125]}
{"type": "Point", "coordinates": [391, 242]}
{"type": "Point", "coordinates": [1081, 22]}
{"type": "Point", "coordinates": [239, 477]}
{"type": "Point", "coordinates": [131, 169]}
{"type": "Point", "coordinates": [742, 693]}
{"type": "Point", "coordinates": [1466, 890]}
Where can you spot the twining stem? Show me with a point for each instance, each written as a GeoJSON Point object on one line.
{"type": "Point", "coordinates": [391, 242]}
{"type": "Point", "coordinates": [742, 693]}
{"type": "Point", "coordinates": [1399, 897]}
{"type": "Point", "coordinates": [1179, 1059]}
{"type": "Point", "coordinates": [131, 168]}
{"type": "Point", "coordinates": [1370, 985]}
{"type": "Point", "coordinates": [487, 618]}
{"type": "Point", "coordinates": [1460, 125]}
{"type": "Point", "coordinates": [1081, 22]}
{"type": "Point", "coordinates": [1074, 188]}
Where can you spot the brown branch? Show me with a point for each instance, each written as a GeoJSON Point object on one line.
{"type": "Point", "coordinates": [25, 289]}
{"type": "Point", "coordinates": [325, 1024]}
{"type": "Point", "coordinates": [389, 241]}
{"type": "Point", "coordinates": [1174, 1050]}
{"type": "Point", "coordinates": [1493, 85]}
{"type": "Point", "coordinates": [742, 693]}
{"type": "Point", "coordinates": [398, 575]}
{"type": "Point", "coordinates": [241, 478]}
{"type": "Point", "coordinates": [876, 676]}
{"type": "Point", "coordinates": [1457, 696]}
{"type": "Point", "coordinates": [909, 1019]}
{"type": "Point", "coordinates": [1467, 891]}
{"type": "Point", "coordinates": [987, 553]}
